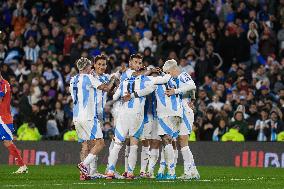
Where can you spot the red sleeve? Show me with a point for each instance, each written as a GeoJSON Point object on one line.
{"type": "Point", "coordinates": [3, 89]}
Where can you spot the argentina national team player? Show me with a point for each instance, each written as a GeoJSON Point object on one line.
{"type": "Point", "coordinates": [83, 87]}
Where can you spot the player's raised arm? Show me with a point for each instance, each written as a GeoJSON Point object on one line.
{"type": "Point", "coordinates": [144, 92]}
{"type": "Point", "coordinates": [149, 87]}
{"type": "Point", "coordinates": [161, 79]}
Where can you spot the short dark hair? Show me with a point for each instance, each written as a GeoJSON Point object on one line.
{"type": "Point", "coordinates": [138, 56]}
{"type": "Point", "coordinates": [100, 57]}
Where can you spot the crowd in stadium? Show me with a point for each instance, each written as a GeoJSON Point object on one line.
{"type": "Point", "coordinates": [234, 51]}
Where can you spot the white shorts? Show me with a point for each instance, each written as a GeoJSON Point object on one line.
{"type": "Point", "coordinates": [186, 122]}
{"type": "Point", "coordinates": [169, 126]}
{"type": "Point", "coordinates": [128, 124]}
{"type": "Point", "coordinates": [148, 127]}
{"type": "Point", "coordinates": [88, 129]}
{"type": "Point", "coordinates": [154, 131]}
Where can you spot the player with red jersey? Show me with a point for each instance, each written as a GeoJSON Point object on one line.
{"type": "Point", "coordinates": [6, 124]}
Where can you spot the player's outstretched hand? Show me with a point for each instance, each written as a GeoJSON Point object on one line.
{"type": "Point", "coordinates": [170, 92]}
{"type": "Point", "coordinates": [126, 97]}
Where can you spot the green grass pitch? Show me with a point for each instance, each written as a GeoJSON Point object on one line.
{"type": "Point", "coordinates": [66, 176]}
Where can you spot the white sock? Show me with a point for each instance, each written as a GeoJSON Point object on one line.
{"type": "Point", "coordinates": [170, 158]}
{"type": "Point", "coordinates": [109, 149]}
{"type": "Point", "coordinates": [144, 158]}
{"type": "Point", "coordinates": [132, 158]}
{"type": "Point", "coordinates": [176, 157]}
{"type": "Point", "coordinates": [187, 159]}
{"type": "Point", "coordinates": [113, 156]}
{"type": "Point", "coordinates": [162, 162]}
{"type": "Point", "coordinates": [94, 166]}
{"type": "Point", "coordinates": [111, 145]}
{"type": "Point", "coordinates": [154, 155]}
{"type": "Point", "coordinates": [87, 161]}
{"type": "Point", "coordinates": [126, 155]}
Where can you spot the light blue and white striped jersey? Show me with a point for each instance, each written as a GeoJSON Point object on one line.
{"type": "Point", "coordinates": [166, 105]}
{"type": "Point", "coordinates": [101, 96]}
{"type": "Point", "coordinates": [83, 89]}
{"type": "Point", "coordinates": [130, 85]}
{"type": "Point", "coordinates": [186, 84]}
{"type": "Point", "coordinates": [32, 53]}
{"type": "Point", "coordinates": [127, 74]}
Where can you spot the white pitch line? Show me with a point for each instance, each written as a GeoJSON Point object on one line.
{"type": "Point", "coordinates": [139, 181]}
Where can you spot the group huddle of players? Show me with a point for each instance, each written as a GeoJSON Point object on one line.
{"type": "Point", "coordinates": [152, 105]}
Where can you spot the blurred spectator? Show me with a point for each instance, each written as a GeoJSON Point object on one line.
{"type": "Point", "coordinates": [35, 91]}
{"type": "Point", "coordinates": [194, 135]}
{"type": "Point", "coordinates": [25, 108]}
{"type": "Point", "coordinates": [70, 135]}
{"type": "Point", "coordinates": [185, 67]}
{"type": "Point", "coordinates": [52, 131]}
{"type": "Point", "coordinates": [208, 125]}
{"type": "Point", "coordinates": [31, 50]}
{"type": "Point", "coordinates": [39, 117]}
{"type": "Point", "coordinates": [275, 125]}
{"type": "Point", "coordinates": [216, 104]}
{"type": "Point", "coordinates": [28, 131]}
{"type": "Point", "coordinates": [233, 135]}
{"type": "Point", "coordinates": [253, 117]}
{"type": "Point", "coordinates": [213, 57]}
{"type": "Point", "coordinates": [202, 67]}
{"type": "Point", "coordinates": [147, 42]}
{"type": "Point", "coordinates": [261, 125]}
{"type": "Point", "coordinates": [220, 130]}
{"type": "Point", "coordinates": [59, 116]}
{"type": "Point", "coordinates": [280, 137]}
{"type": "Point", "coordinates": [240, 122]}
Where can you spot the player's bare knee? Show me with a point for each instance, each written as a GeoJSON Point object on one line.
{"type": "Point", "coordinates": [7, 143]}
{"type": "Point", "coordinates": [84, 151]}
{"type": "Point", "coordinates": [155, 144]}
{"type": "Point", "coordinates": [167, 139]}
{"type": "Point", "coordinates": [183, 141]}
{"type": "Point", "coordinates": [145, 143]}
{"type": "Point", "coordinates": [84, 147]}
{"type": "Point", "coordinates": [101, 143]}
